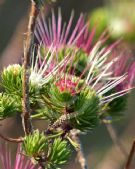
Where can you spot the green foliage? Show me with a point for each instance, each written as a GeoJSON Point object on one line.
{"type": "Point", "coordinates": [118, 20]}
{"type": "Point", "coordinates": [58, 154]}
{"type": "Point", "coordinates": [87, 110]}
{"type": "Point", "coordinates": [81, 63]}
{"type": "Point", "coordinates": [56, 100]}
{"type": "Point", "coordinates": [8, 106]}
{"type": "Point", "coordinates": [12, 79]}
{"type": "Point", "coordinates": [53, 105]}
{"type": "Point", "coordinates": [46, 114]}
{"type": "Point", "coordinates": [79, 58]}
{"type": "Point", "coordinates": [60, 99]}
{"type": "Point", "coordinates": [114, 110]}
{"type": "Point", "coordinates": [34, 144]}
{"type": "Point", "coordinates": [80, 110]}
{"type": "Point", "coordinates": [12, 84]}
{"type": "Point", "coordinates": [55, 151]}
{"type": "Point", "coordinates": [100, 17]}
{"type": "Point", "coordinates": [117, 105]}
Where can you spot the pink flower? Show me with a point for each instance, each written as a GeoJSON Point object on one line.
{"type": "Point", "coordinates": [21, 162]}
{"type": "Point", "coordinates": [57, 34]}
{"type": "Point", "coordinates": [66, 85]}
{"type": "Point", "coordinates": [124, 64]}
{"type": "Point", "coordinates": [100, 72]}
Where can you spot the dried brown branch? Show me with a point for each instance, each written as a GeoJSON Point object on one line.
{"type": "Point", "coordinates": [80, 154]}
{"type": "Point", "coordinates": [130, 157]}
{"type": "Point", "coordinates": [115, 139]}
{"type": "Point", "coordinates": [26, 121]}
{"type": "Point", "coordinates": [13, 140]}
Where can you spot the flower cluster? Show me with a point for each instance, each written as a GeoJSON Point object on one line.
{"type": "Point", "coordinates": [74, 85]}
{"type": "Point", "coordinates": [108, 72]}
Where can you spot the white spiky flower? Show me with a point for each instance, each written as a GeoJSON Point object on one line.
{"type": "Point", "coordinates": [104, 81]}
{"type": "Point", "coordinates": [44, 68]}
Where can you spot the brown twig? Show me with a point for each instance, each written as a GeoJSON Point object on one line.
{"type": "Point", "coordinates": [115, 139]}
{"type": "Point", "coordinates": [130, 157]}
{"type": "Point", "coordinates": [80, 154]}
{"type": "Point", "coordinates": [13, 140]}
{"type": "Point", "coordinates": [26, 121]}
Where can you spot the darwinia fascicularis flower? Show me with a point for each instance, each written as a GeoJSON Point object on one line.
{"type": "Point", "coordinates": [75, 83]}
{"type": "Point", "coordinates": [21, 162]}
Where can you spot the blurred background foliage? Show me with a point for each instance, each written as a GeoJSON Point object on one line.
{"type": "Point", "coordinates": [99, 149]}
{"type": "Point", "coordinates": [119, 17]}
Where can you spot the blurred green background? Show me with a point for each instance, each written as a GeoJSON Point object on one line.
{"type": "Point", "coordinates": [99, 149]}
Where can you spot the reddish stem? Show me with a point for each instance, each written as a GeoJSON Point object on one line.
{"type": "Point", "coordinates": [26, 121]}
{"type": "Point", "coordinates": [130, 157]}
{"type": "Point", "coordinates": [14, 140]}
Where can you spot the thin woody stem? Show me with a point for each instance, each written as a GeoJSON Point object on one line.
{"type": "Point", "coordinates": [115, 139]}
{"type": "Point", "coordinates": [26, 121]}
{"type": "Point", "coordinates": [13, 140]}
{"type": "Point", "coordinates": [80, 154]}
{"type": "Point", "coordinates": [130, 157]}
{"type": "Point", "coordinates": [62, 120]}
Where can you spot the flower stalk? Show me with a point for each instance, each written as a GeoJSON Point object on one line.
{"type": "Point", "coordinates": [115, 139]}
{"type": "Point", "coordinates": [130, 157]}
{"type": "Point", "coordinates": [80, 154]}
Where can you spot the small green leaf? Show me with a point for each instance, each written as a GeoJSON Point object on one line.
{"type": "Point", "coordinates": [34, 144]}
{"type": "Point", "coordinates": [87, 108]}
{"type": "Point", "coordinates": [12, 79]}
{"type": "Point", "coordinates": [59, 152]}
{"type": "Point", "coordinates": [8, 106]}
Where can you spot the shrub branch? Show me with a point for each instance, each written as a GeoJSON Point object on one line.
{"type": "Point", "coordinates": [80, 154]}
{"type": "Point", "coordinates": [26, 121]}
{"type": "Point", "coordinates": [13, 140]}
{"type": "Point", "coordinates": [130, 157]}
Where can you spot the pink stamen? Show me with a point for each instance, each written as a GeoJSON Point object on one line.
{"type": "Point", "coordinates": [90, 39]}
{"type": "Point", "coordinates": [75, 30]}
{"type": "Point", "coordinates": [54, 27]}
{"type": "Point", "coordinates": [68, 27]}
{"type": "Point", "coordinates": [66, 85]}
{"type": "Point", "coordinates": [59, 26]}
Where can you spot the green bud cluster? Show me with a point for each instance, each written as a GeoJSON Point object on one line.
{"type": "Point", "coordinates": [12, 79]}
{"type": "Point", "coordinates": [8, 106]}
{"type": "Point", "coordinates": [34, 144]}
{"type": "Point", "coordinates": [52, 152]}
{"type": "Point", "coordinates": [87, 107]}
